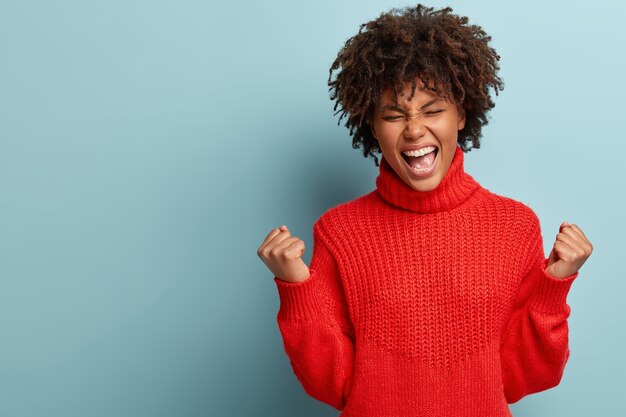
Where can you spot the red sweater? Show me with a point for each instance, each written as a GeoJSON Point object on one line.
{"type": "Point", "coordinates": [426, 304]}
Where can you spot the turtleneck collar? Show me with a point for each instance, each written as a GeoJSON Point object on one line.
{"type": "Point", "coordinates": [455, 187]}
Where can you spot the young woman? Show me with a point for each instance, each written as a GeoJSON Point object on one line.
{"type": "Point", "coordinates": [430, 295]}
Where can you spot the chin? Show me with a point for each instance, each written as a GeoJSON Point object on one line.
{"type": "Point", "coordinates": [427, 184]}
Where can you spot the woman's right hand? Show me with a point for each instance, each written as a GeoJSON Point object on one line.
{"type": "Point", "coordinates": [282, 254]}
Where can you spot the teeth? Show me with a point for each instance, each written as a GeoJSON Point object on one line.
{"type": "Point", "coordinates": [420, 152]}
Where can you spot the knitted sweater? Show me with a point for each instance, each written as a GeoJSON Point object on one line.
{"type": "Point", "coordinates": [429, 303]}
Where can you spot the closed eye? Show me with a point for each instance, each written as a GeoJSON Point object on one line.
{"type": "Point", "coordinates": [429, 113]}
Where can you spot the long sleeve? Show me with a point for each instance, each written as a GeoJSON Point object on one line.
{"type": "Point", "coordinates": [316, 328]}
{"type": "Point", "coordinates": [534, 344]}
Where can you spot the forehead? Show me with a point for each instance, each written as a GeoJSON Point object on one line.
{"type": "Point", "coordinates": [420, 95]}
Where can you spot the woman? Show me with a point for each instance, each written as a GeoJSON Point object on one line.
{"type": "Point", "coordinates": [430, 295]}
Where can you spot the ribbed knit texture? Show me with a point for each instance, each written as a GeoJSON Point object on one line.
{"type": "Point", "coordinates": [426, 304]}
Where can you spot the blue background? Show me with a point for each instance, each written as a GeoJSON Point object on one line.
{"type": "Point", "coordinates": [148, 147]}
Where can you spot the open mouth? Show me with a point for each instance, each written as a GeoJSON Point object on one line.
{"type": "Point", "coordinates": [421, 163]}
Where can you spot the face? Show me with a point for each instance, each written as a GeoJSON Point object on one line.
{"type": "Point", "coordinates": [425, 120]}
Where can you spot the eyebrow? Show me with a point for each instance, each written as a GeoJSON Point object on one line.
{"type": "Point", "coordinates": [401, 110]}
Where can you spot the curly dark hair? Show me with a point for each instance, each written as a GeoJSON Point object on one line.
{"type": "Point", "coordinates": [403, 44]}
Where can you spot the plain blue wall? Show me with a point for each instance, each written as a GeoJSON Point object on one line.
{"type": "Point", "coordinates": [147, 148]}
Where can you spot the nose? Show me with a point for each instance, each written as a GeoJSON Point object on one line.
{"type": "Point", "coordinates": [414, 127]}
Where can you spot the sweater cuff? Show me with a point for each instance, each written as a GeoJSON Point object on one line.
{"type": "Point", "coordinates": [300, 300]}
{"type": "Point", "coordinates": [551, 293]}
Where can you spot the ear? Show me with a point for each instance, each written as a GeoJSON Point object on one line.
{"type": "Point", "coordinates": [461, 123]}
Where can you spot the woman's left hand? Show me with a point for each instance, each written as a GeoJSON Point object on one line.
{"type": "Point", "coordinates": [570, 251]}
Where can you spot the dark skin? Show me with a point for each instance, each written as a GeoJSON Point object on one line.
{"type": "Point", "coordinates": [420, 46]}
{"type": "Point", "coordinates": [454, 59]}
{"type": "Point", "coordinates": [282, 253]}
{"type": "Point", "coordinates": [570, 251]}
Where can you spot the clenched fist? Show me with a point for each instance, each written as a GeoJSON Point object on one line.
{"type": "Point", "coordinates": [282, 254]}
{"type": "Point", "coordinates": [570, 251]}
